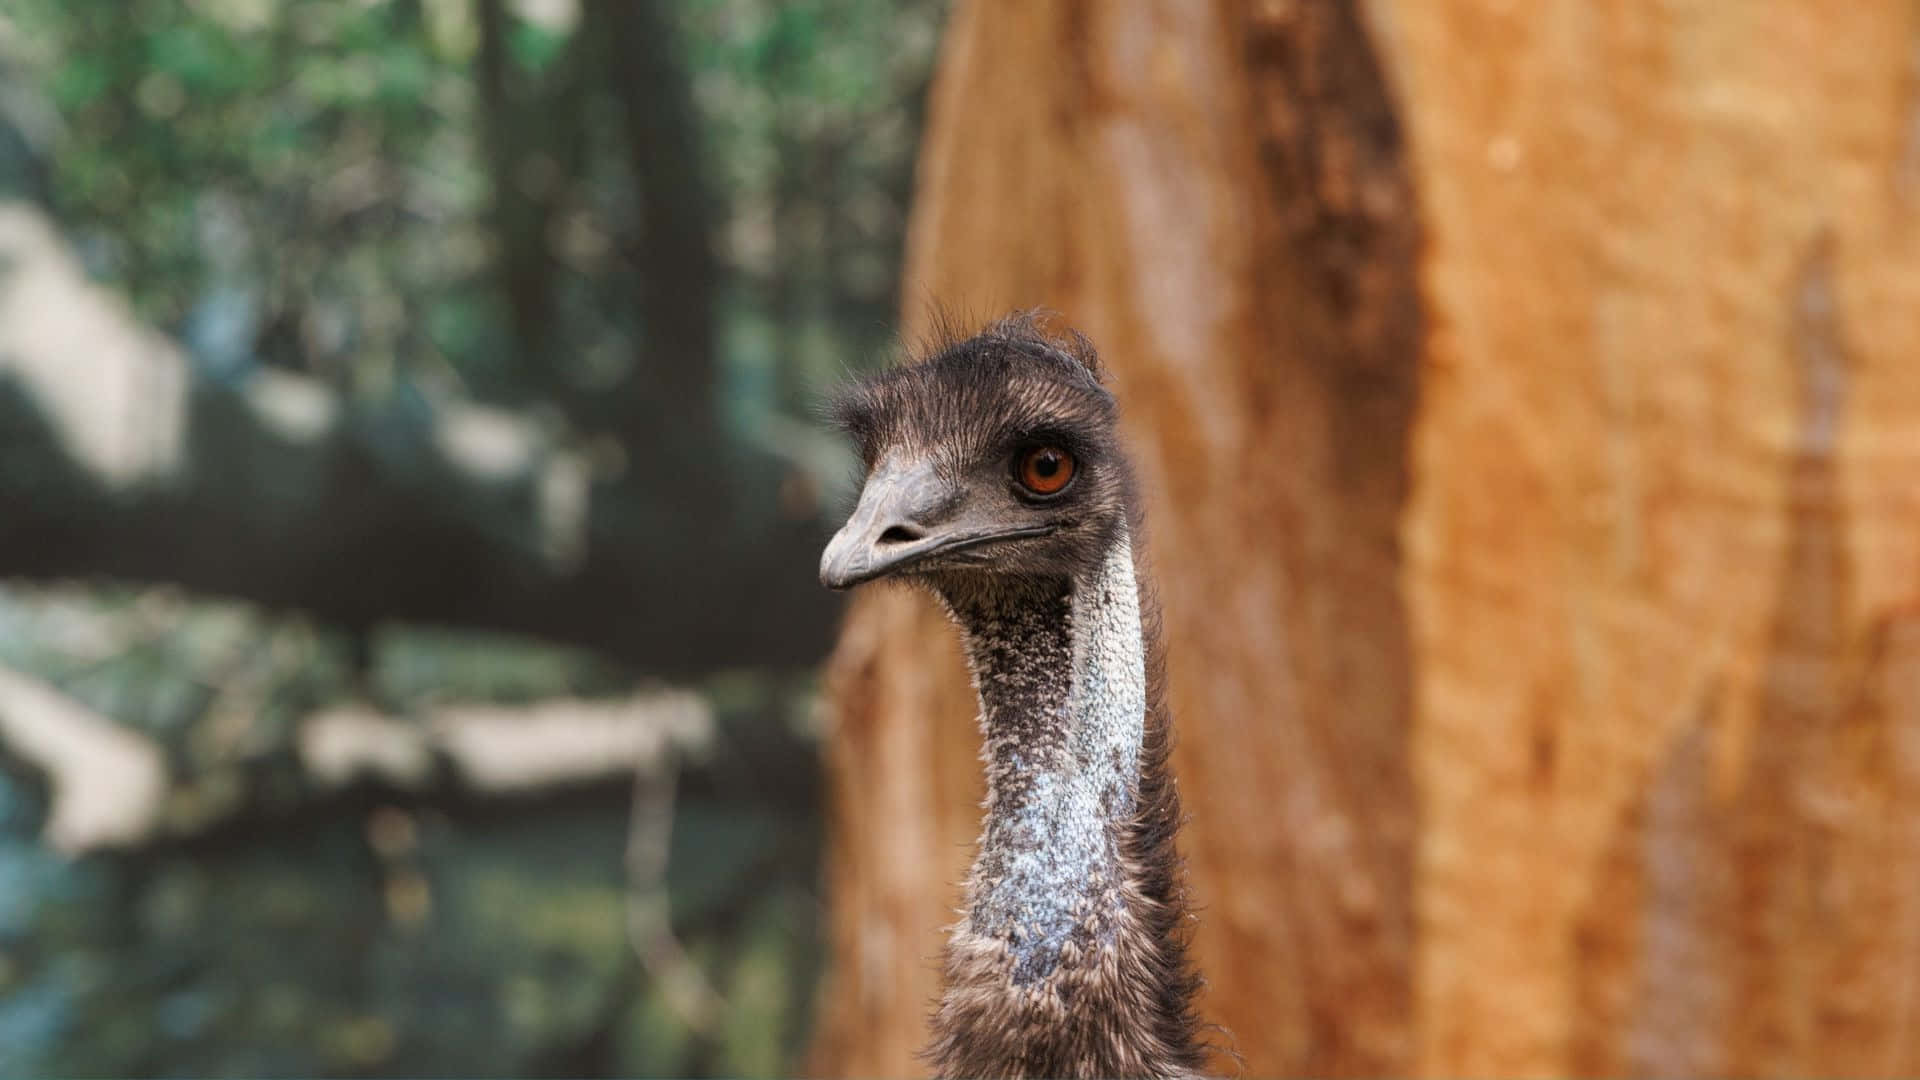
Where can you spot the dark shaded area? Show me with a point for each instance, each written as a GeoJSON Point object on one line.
{"type": "Point", "coordinates": [1345, 316]}
{"type": "Point", "coordinates": [372, 523]}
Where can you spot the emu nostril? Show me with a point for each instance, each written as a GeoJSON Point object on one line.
{"type": "Point", "coordinates": [900, 534]}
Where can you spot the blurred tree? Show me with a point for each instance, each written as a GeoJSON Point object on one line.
{"type": "Point", "coordinates": [670, 396]}
{"type": "Point", "coordinates": [1539, 578]}
{"type": "Point", "coordinates": [275, 490]}
{"type": "Point", "coordinates": [474, 330]}
{"type": "Point", "coordinates": [533, 124]}
{"type": "Point", "coordinates": [369, 268]}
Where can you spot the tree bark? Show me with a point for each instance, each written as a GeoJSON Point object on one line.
{"type": "Point", "coordinates": [1664, 542]}
{"type": "Point", "coordinates": [1517, 393]}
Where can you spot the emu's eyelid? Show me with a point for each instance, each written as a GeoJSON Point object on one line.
{"type": "Point", "coordinates": [1081, 451]}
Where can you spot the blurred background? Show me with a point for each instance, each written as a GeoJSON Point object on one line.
{"type": "Point", "coordinates": [411, 656]}
{"type": "Point", "coordinates": [448, 707]}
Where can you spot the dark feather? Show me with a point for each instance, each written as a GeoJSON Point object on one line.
{"type": "Point", "coordinates": [1119, 1003]}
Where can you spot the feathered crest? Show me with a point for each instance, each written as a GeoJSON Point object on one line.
{"type": "Point", "coordinates": [968, 390]}
{"type": "Point", "coordinates": [1034, 331]}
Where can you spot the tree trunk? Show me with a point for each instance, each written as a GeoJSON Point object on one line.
{"type": "Point", "coordinates": [670, 393]}
{"type": "Point", "coordinates": [1517, 392]}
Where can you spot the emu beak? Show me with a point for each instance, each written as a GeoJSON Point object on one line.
{"type": "Point", "coordinates": [894, 524]}
{"type": "Point", "coordinates": [906, 513]}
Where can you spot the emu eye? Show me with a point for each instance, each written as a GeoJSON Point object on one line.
{"type": "Point", "coordinates": [1044, 470]}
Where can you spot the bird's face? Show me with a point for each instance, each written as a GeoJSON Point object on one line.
{"type": "Point", "coordinates": [991, 465]}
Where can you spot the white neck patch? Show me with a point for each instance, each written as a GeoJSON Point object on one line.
{"type": "Point", "coordinates": [1063, 770]}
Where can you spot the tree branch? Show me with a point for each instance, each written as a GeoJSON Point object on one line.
{"type": "Point", "coordinates": [269, 488]}
{"type": "Point", "coordinates": [107, 783]}
{"type": "Point", "coordinates": [109, 786]}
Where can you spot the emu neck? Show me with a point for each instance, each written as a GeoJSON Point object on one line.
{"type": "Point", "coordinates": [1062, 682]}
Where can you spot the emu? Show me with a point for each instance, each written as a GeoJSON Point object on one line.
{"type": "Point", "coordinates": [995, 478]}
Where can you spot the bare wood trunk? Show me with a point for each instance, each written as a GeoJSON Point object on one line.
{"type": "Point", "coordinates": [1216, 197]}
{"type": "Point", "coordinates": [1663, 546]}
{"type": "Point", "coordinates": [1607, 313]}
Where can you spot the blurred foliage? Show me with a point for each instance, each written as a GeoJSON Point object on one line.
{"type": "Point", "coordinates": [305, 183]}
{"type": "Point", "coordinates": [308, 184]}
{"type": "Point", "coordinates": [295, 930]}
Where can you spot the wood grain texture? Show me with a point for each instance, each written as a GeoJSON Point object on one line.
{"type": "Point", "coordinates": [1663, 530]}
{"type": "Point", "coordinates": [1525, 398]}
{"type": "Point", "coordinates": [1213, 193]}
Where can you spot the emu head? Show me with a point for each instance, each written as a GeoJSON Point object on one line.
{"type": "Point", "coordinates": [990, 465]}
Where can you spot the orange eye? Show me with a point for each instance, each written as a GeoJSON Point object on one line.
{"type": "Point", "coordinates": [1045, 470]}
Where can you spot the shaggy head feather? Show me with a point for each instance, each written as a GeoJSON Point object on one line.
{"type": "Point", "coordinates": [1071, 957]}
